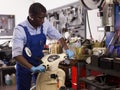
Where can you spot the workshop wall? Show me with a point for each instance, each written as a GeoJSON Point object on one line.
{"type": "Point", "coordinates": [69, 18]}
{"type": "Point", "coordinates": [19, 8]}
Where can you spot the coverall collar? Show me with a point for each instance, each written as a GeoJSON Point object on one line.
{"type": "Point", "coordinates": [30, 26]}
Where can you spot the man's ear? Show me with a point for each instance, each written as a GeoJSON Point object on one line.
{"type": "Point", "coordinates": [31, 18]}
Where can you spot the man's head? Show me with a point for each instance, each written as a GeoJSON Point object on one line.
{"type": "Point", "coordinates": [37, 13]}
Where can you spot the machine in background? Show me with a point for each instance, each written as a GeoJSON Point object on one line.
{"type": "Point", "coordinates": [109, 11]}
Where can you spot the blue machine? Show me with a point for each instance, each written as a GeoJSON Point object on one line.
{"type": "Point", "coordinates": [112, 38]}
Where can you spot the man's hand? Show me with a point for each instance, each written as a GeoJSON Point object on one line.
{"type": "Point", "coordinates": [69, 53]}
{"type": "Point", "coordinates": [39, 68]}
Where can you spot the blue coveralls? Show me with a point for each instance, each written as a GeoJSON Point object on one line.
{"type": "Point", "coordinates": [36, 44]}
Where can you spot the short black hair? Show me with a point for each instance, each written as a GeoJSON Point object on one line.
{"type": "Point", "coordinates": [37, 8]}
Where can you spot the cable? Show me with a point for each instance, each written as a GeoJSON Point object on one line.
{"type": "Point", "coordinates": [89, 26]}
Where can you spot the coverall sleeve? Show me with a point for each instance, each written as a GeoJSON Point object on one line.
{"type": "Point", "coordinates": [18, 41]}
{"type": "Point", "coordinates": [52, 32]}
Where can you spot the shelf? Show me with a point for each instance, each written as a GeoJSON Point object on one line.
{"type": "Point", "coordinates": [96, 84]}
{"type": "Point", "coordinates": [106, 71]}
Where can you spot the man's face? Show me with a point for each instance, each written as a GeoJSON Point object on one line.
{"type": "Point", "coordinates": [38, 19]}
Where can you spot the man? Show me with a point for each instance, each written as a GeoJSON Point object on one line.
{"type": "Point", "coordinates": [29, 38]}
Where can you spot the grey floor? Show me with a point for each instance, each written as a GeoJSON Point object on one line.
{"type": "Point", "coordinates": [12, 87]}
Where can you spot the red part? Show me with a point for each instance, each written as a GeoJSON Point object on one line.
{"type": "Point", "coordinates": [74, 77]}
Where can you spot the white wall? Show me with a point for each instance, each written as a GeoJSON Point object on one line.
{"type": "Point", "coordinates": [19, 8]}
{"type": "Point", "coordinates": [51, 4]}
